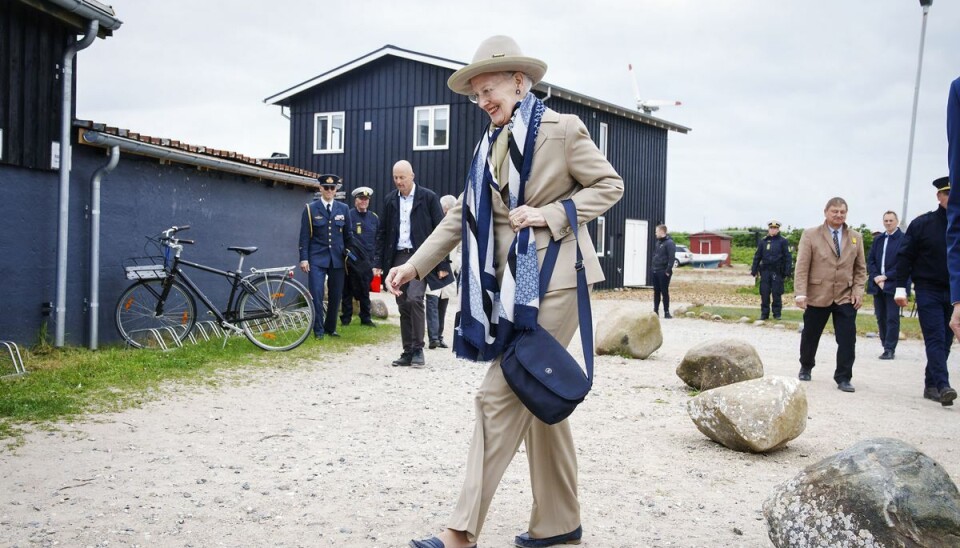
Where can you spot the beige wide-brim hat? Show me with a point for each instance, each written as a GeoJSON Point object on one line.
{"type": "Point", "coordinates": [496, 54]}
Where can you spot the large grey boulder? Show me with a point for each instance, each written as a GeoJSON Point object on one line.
{"type": "Point", "coordinates": [629, 333]}
{"type": "Point", "coordinates": [752, 416]}
{"type": "Point", "coordinates": [378, 309]}
{"type": "Point", "coordinates": [880, 492]}
{"type": "Point", "coordinates": [717, 363]}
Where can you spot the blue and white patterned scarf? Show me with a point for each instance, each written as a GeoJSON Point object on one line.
{"type": "Point", "coordinates": [491, 313]}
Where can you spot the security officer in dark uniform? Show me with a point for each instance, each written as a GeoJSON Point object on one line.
{"type": "Point", "coordinates": [773, 263]}
{"type": "Point", "coordinates": [922, 258]}
{"type": "Point", "coordinates": [325, 241]}
{"type": "Point", "coordinates": [363, 224]}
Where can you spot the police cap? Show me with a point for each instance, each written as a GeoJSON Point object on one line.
{"type": "Point", "coordinates": [942, 184]}
{"type": "Point", "coordinates": [330, 180]}
{"type": "Point", "coordinates": [773, 224]}
{"type": "Point", "coordinates": [362, 192]}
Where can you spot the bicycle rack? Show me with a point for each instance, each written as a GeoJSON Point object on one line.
{"type": "Point", "coordinates": [16, 358]}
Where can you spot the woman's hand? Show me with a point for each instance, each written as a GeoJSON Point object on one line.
{"type": "Point", "coordinates": [398, 276]}
{"type": "Point", "coordinates": [525, 216]}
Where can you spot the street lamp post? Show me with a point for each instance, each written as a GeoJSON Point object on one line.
{"type": "Point", "coordinates": [925, 4]}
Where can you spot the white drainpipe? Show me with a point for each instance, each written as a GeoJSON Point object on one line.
{"type": "Point", "coordinates": [66, 120]}
{"type": "Point", "coordinates": [95, 244]}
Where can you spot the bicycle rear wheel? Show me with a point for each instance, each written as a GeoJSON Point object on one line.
{"type": "Point", "coordinates": [137, 319]}
{"type": "Point", "coordinates": [288, 311]}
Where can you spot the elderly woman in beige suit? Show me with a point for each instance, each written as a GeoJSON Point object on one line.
{"type": "Point", "coordinates": [530, 159]}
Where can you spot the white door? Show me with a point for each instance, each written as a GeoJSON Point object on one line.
{"type": "Point", "coordinates": [635, 253]}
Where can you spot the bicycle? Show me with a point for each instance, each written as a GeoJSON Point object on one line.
{"type": "Point", "coordinates": [270, 308]}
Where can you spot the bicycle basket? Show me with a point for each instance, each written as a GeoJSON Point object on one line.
{"type": "Point", "coordinates": [144, 268]}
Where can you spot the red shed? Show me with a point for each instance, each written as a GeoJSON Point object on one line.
{"type": "Point", "coordinates": [708, 243]}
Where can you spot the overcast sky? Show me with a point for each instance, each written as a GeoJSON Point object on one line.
{"type": "Point", "coordinates": [791, 102]}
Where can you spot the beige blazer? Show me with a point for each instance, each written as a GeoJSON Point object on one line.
{"type": "Point", "coordinates": [823, 277]}
{"type": "Point", "coordinates": [566, 163]}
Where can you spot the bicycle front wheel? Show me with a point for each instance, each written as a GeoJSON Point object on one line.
{"type": "Point", "coordinates": [278, 315]}
{"type": "Point", "coordinates": [140, 325]}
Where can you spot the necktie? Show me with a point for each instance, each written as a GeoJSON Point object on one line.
{"type": "Point", "coordinates": [329, 211]}
{"type": "Point", "coordinates": [883, 259]}
{"type": "Point", "coordinates": [836, 242]}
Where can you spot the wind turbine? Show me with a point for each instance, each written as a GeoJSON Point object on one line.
{"type": "Point", "coordinates": [648, 106]}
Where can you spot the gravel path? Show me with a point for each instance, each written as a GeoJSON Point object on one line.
{"type": "Point", "coordinates": [349, 451]}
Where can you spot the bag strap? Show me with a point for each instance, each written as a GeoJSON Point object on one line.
{"type": "Point", "coordinates": [584, 313]}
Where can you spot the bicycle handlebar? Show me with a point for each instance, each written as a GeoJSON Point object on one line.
{"type": "Point", "coordinates": [186, 241]}
{"type": "Point", "coordinates": [173, 230]}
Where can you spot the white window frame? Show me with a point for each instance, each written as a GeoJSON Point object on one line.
{"type": "Point", "coordinates": [604, 135]}
{"type": "Point", "coordinates": [329, 116]}
{"type": "Point", "coordinates": [432, 117]}
{"type": "Point", "coordinates": [601, 242]}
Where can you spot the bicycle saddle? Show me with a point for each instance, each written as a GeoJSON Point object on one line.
{"type": "Point", "coordinates": [242, 250]}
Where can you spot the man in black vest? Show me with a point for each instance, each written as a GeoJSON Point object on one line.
{"type": "Point", "coordinates": [363, 224]}
{"type": "Point", "coordinates": [409, 215]}
{"type": "Point", "coordinates": [922, 258]}
{"type": "Point", "coordinates": [772, 262]}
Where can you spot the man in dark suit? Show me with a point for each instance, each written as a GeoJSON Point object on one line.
{"type": "Point", "coordinates": [882, 272]}
{"type": "Point", "coordinates": [409, 215]}
{"type": "Point", "coordinates": [953, 205]}
{"type": "Point", "coordinates": [923, 258]}
{"type": "Point", "coordinates": [325, 239]}
{"type": "Point", "coordinates": [828, 281]}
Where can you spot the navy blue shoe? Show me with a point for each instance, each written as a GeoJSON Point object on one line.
{"type": "Point", "coordinates": [573, 537]}
{"type": "Point", "coordinates": [432, 542]}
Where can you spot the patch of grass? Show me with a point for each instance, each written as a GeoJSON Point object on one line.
{"type": "Point", "coordinates": [866, 322]}
{"type": "Point", "coordinates": [64, 383]}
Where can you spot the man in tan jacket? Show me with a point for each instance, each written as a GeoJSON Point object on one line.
{"type": "Point", "coordinates": [829, 280]}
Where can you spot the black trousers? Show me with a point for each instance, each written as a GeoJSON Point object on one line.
{"type": "Point", "coordinates": [888, 320]}
{"type": "Point", "coordinates": [771, 285]}
{"type": "Point", "coordinates": [412, 313]}
{"type": "Point", "coordinates": [845, 330]}
{"type": "Point", "coordinates": [357, 287]}
{"type": "Point", "coordinates": [661, 290]}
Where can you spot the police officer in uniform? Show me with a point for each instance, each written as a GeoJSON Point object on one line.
{"type": "Point", "coordinates": [363, 225]}
{"type": "Point", "coordinates": [325, 241]}
{"type": "Point", "coordinates": [772, 262]}
{"type": "Point", "coordinates": [923, 258]}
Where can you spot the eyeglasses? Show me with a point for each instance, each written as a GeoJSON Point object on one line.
{"type": "Point", "coordinates": [486, 92]}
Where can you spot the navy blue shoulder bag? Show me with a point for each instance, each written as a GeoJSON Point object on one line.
{"type": "Point", "coordinates": [539, 370]}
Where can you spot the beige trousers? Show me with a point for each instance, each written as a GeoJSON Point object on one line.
{"type": "Point", "coordinates": [502, 423]}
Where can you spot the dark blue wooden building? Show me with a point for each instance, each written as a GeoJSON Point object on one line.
{"type": "Point", "coordinates": [359, 118]}
{"type": "Point", "coordinates": [229, 199]}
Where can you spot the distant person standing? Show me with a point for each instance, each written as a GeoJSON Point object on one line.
{"type": "Point", "coordinates": [882, 271]}
{"type": "Point", "coordinates": [324, 241]}
{"type": "Point", "coordinates": [831, 271]}
{"type": "Point", "coordinates": [363, 224]}
{"type": "Point", "coordinates": [923, 258]}
{"type": "Point", "coordinates": [664, 255]}
{"type": "Point", "coordinates": [409, 215]}
{"type": "Point", "coordinates": [772, 262]}
{"type": "Point", "coordinates": [438, 299]}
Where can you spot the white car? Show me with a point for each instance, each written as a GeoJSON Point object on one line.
{"type": "Point", "coordinates": [683, 256]}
